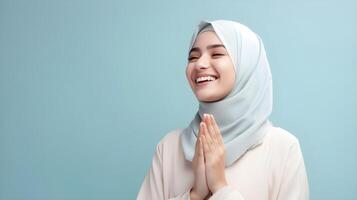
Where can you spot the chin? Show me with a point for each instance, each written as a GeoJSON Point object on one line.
{"type": "Point", "coordinates": [206, 98]}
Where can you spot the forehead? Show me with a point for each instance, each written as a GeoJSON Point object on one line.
{"type": "Point", "coordinates": [206, 38]}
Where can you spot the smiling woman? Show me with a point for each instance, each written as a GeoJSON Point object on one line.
{"type": "Point", "coordinates": [210, 70]}
{"type": "Point", "coordinates": [230, 150]}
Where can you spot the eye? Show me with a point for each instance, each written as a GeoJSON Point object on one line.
{"type": "Point", "coordinates": [192, 58]}
{"type": "Point", "coordinates": [217, 54]}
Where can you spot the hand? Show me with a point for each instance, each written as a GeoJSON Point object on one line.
{"type": "Point", "coordinates": [214, 153]}
{"type": "Point", "coordinates": [200, 188]}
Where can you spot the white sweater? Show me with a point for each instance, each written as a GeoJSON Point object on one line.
{"type": "Point", "coordinates": [274, 170]}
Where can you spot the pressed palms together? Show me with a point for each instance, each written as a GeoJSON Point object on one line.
{"type": "Point", "coordinates": [209, 160]}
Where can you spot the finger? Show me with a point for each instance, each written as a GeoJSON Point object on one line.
{"type": "Point", "coordinates": [200, 131]}
{"type": "Point", "coordinates": [218, 132]}
{"type": "Point", "coordinates": [211, 129]}
{"type": "Point", "coordinates": [197, 143]}
{"type": "Point", "coordinates": [200, 151]}
{"type": "Point", "coordinates": [208, 134]}
{"type": "Point", "coordinates": [196, 150]}
{"type": "Point", "coordinates": [205, 146]}
{"type": "Point", "coordinates": [207, 137]}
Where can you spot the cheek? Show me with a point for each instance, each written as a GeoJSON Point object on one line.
{"type": "Point", "coordinates": [188, 73]}
{"type": "Point", "coordinates": [230, 78]}
{"type": "Point", "coordinates": [231, 75]}
{"type": "Point", "coordinates": [227, 73]}
{"type": "Point", "coordinates": [225, 68]}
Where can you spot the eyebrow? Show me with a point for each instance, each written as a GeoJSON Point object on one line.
{"type": "Point", "coordinates": [208, 47]}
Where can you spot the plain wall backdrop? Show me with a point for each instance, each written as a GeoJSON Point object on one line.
{"type": "Point", "coordinates": [88, 88]}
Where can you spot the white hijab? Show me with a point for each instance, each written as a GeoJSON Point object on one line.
{"type": "Point", "coordinates": [242, 115]}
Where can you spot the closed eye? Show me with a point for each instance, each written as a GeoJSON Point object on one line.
{"type": "Point", "coordinates": [191, 58]}
{"type": "Point", "coordinates": [218, 54]}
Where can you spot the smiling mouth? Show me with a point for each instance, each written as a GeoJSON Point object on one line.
{"type": "Point", "coordinates": [206, 82]}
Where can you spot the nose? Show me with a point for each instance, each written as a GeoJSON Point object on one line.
{"type": "Point", "coordinates": [202, 62]}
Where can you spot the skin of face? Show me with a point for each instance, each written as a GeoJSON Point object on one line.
{"type": "Point", "coordinates": [209, 56]}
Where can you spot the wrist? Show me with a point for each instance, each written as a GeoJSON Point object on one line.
{"type": "Point", "coordinates": [194, 195]}
{"type": "Point", "coordinates": [219, 186]}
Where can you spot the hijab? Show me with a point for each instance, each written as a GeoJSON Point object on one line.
{"type": "Point", "coordinates": [242, 115]}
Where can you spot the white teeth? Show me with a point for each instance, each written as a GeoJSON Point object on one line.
{"type": "Point", "coordinates": [205, 78]}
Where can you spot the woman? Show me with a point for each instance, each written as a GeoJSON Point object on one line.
{"type": "Point", "coordinates": [230, 150]}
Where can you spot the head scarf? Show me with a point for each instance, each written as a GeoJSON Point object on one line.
{"type": "Point", "coordinates": [242, 116]}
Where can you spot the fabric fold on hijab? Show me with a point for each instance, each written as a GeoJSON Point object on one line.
{"type": "Point", "coordinates": [242, 116]}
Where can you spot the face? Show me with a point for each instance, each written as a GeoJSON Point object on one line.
{"type": "Point", "coordinates": [210, 70]}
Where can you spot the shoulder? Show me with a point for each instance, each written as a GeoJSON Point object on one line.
{"type": "Point", "coordinates": [282, 146]}
{"type": "Point", "coordinates": [281, 138]}
{"type": "Point", "coordinates": [171, 136]}
{"type": "Point", "coordinates": [170, 139]}
{"type": "Point", "coordinates": [169, 149]}
{"type": "Point", "coordinates": [285, 161]}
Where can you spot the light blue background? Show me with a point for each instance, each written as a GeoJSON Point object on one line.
{"type": "Point", "coordinates": [88, 88]}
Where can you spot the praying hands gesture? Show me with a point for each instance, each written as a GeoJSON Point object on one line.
{"type": "Point", "coordinates": [209, 160]}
